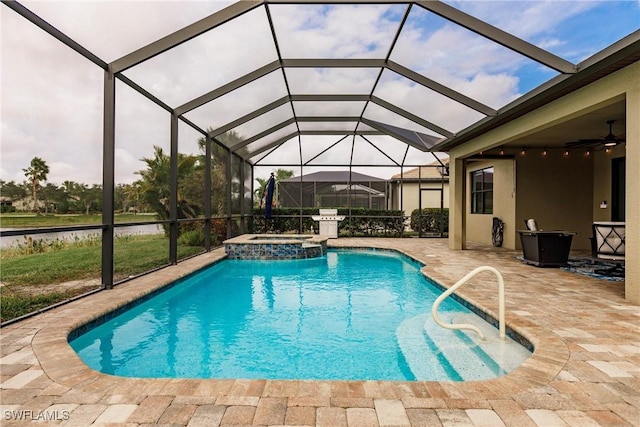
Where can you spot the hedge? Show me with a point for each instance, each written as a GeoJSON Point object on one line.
{"type": "Point", "coordinates": [429, 220]}
{"type": "Point", "coordinates": [363, 222]}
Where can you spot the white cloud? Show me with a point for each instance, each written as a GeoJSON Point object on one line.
{"type": "Point", "coordinates": [337, 31]}
{"type": "Point", "coordinates": [114, 28]}
{"type": "Point", "coordinates": [331, 80]}
{"type": "Point", "coordinates": [214, 58]}
{"type": "Point", "coordinates": [524, 18]}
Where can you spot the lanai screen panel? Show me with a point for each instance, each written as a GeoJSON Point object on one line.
{"type": "Point", "coordinates": [328, 125]}
{"type": "Point", "coordinates": [573, 30]}
{"type": "Point", "coordinates": [395, 151]}
{"type": "Point", "coordinates": [112, 29]}
{"type": "Point", "coordinates": [380, 114]}
{"type": "Point", "coordinates": [304, 81]}
{"type": "Point", "coordinates": [425, 102]}
{"type": "Point", "coordinates": [137, 122]}
{"type": "Point", "coordinates": [286, 153]}
{"type": "Point", "coordinates": [239, 102]}
{"type": "Point", "coordinates": [219, 201]}
{"type": "Point", "coordinates": [329, 108]}
{"type": "Point", "coordinates": [313, 145]}
{"type": "Point", "coordinates": [191, 172]}
{"type": "Point", "coordinates": [339, 152]}
{"type": "Point", "coordinates": [247, 200]}
{"type": "Point", "coordinates": [210, 60]}
{"type": "Point", "coordinates": [336, 31]}
{"type": "Point", "coordinates": [365, 153]}
{"type": "Point", "coordinates": [264, 121]}
{"type": "Point", "coordinates": [237, 186]}
{"type": "Point", "coordinates": [429, 48]}
{"type": "Point", "coordinates": [465, 61]}
{"type": "Point", "coordinates": [264, 143]}
{"type": "Point", "coordinates": [333, 188]}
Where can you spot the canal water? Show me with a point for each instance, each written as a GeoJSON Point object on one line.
{"type": "Point", "coordinates": [10, 241]}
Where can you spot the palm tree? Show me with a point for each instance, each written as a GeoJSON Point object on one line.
{"type": "Point", "coordinates": [262, 184]}
{"type": "Point", "coordinates": [219, 168]}
{"type": "Point", "coordinates": [155, 184]}
{"type": "Point", "coordinates": [279, 174]}
{"type": "Point", "coordinates": [283, 174]}
{"type": "Point", "coordinates": [36, 173]}
{"type": "Point", "coordinates": [131, 193]}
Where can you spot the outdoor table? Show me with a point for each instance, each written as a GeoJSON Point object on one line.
{"type": "Point", "coordinates": [546, 248]}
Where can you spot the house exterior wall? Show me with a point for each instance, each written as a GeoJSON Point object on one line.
{"type": "Point", "coordinates": [602, 181]}
{"type": "Point", "coordinates": [557, 191]}
{"type": "Point", "coordinates": [479, 225]}
{"type": "Point", "coordinates": [623, 84]}
{"type": "Point", "coordinates": [632, 196]}
{"type": "Point", "coordinates": [411, 195]}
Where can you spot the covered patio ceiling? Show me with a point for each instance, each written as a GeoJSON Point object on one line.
{"type": "Point", "coordinates": [354, 83]}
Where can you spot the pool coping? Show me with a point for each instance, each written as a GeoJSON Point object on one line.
{"type": "Point", "coordinates": [261, 239]}
{"type": "Point", "coordinates": [62, 364]}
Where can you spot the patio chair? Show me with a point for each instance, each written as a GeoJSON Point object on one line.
{"type": "Point", "coordinates": [532, 224]}
{"type": "Point", "coordinates": [607, 246]}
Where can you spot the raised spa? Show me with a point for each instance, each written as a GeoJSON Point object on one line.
{"type": "Point", "coordinates": [276, 246]}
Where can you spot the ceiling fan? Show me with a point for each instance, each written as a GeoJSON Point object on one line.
{"type": "Point", "coordinates": [608, 141]}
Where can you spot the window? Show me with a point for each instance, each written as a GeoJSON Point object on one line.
{"type": "Point", "coordinates": [482, 191]}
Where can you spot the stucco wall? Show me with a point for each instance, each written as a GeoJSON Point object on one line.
{"type": "Point", "coordinates": [479, 225]}
{"type": "Point", "coordinates": [602, 181]}
{"type": "Point", "coordinates": [430, 199]}
{"type": "Point", "coordinates": [557, 191]}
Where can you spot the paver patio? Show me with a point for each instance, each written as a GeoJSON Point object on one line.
{"type": "Point", "coordinates": [585, 370]}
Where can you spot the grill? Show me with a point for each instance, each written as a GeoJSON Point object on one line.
{"type": "Point", "coordinates": [328, 220]}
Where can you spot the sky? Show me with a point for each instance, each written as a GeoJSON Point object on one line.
{"type": "Point", "coordinates": [51, 97]}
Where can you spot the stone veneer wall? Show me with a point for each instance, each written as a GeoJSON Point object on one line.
{"type": "Point", "coordinates": [275, 250]}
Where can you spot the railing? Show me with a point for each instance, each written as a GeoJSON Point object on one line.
{"type": "Point", "coordinates": [465, 279]}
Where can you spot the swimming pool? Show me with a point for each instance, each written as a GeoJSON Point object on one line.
{"type": "Point", "coordinates": [351, 315]}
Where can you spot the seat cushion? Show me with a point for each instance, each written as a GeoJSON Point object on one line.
{"type": "Point", "coordinates": [610, 239]}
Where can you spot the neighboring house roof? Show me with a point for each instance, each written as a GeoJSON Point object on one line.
{"type": "Point", "coordinates": [433, 171]}
{"type": "Point", "coordinates": [357, 188]}
{"type": "Point", "coordinates": [334, 176]}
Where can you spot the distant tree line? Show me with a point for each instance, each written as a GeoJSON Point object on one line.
{"type": "Point", "coordinates": [70, 197]}
{"type": "Point", "coordinates": [150, 193]}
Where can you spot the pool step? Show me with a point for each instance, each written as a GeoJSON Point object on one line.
{"type": "Point", "coordinates": [460, 348]}
{"type": "Point", "coordinates": [507, 354]}
{"type": "Point", "coordinates": [422, 360]}
{"type": "Point", "coordinates": [434, 353]}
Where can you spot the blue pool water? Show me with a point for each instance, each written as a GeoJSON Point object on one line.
{"type": "Point", "coordinates": [351, 315]}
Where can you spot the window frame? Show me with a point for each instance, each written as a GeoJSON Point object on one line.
{"type": "Point", "coordinates": [482, 191]}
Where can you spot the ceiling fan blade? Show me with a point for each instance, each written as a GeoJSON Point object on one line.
{"type": "Point", "coordinates": [582, 143]}
{"type": "Point", "coordinates": [609, 140]}
{"type": "Point", "coordinates": [612, 139]}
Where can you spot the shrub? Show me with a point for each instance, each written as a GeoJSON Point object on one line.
{"type": "Point", "coordinates": [192, 238]}
{"type": "Point", "coordinates": [429, 220]}
{"type": "Point", "coordinates": [362, 222]}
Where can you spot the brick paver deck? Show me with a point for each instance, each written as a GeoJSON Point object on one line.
{"type": "Point", "coordinates": [585, 370]}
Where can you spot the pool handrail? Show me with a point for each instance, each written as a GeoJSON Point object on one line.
{"type": "Point", "coordinates": [452, 289]}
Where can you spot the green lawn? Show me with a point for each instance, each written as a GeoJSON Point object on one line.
{"type": "Point", "coordinates": [22, 276]}
{"type": "Point", "coordinates": [16, 305]}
